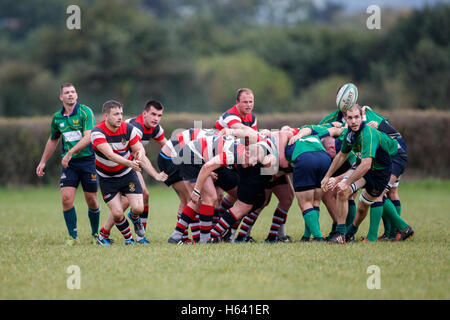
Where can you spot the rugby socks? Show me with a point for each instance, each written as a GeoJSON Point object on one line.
{"type": "Point", "coordinates": [144, 216]}
{"type": "Point", "coordinates": [94, 219]}
{"type": "Point", "coordinates": [195, 229]}
{"type": "Point", "coordinates": [396, 221]}
{"type": "Point", "coordinates": [398, 207]}
{"type": "Point", "coordinates": [70, 217]}
{"type": "Point", "coordinates": [104, 234]}
{"type": "Point", "coordinates": [247, 224]}
{"type": "Point", "coordinates": [351, 230]}
{"type": "Point", "coordinates": [227, 220]}
{"type": "Point", "coordinates": [351, 213]}
{"type": "Point", "coordinates": [279, 218]}
{"type": "Point", "coordinates": [341, 229]}
{"type": "Point", "coordinates": [205, 214]}
{"type": "Point", "coordinates": [220, 210]}
{"type": "Point", "coordinates": [312, 222]}
{"type": "Point", "coordinates": [124, 228]}
{"type": "Point", "coordinates": [187, 217]}
{"type": "Point", "coordinates": [186, 232]}
{"type": "Point", "coordinates": [376, 211]}
{"type": "Point", "coordinates": [387, 205]}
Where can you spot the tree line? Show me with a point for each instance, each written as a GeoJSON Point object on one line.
{"type": "Point", "coordinates": [194, 54]}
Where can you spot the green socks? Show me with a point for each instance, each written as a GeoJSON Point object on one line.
{"type": "Point", "coordinates": [70, 217]}
{"type": "Point", "coordinates": [94, 219]}
{"type": "Point", "coordinates": [311, 217]}
{"type": "Point", "coordinates": [351, 213]}
{"type": "Point", "coordinates": [391, 213]}
{"type": "Point", "coordinates": [376, 211]}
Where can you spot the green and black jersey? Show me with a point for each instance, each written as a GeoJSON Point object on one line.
{"type": "Point", "coordinates": [72, 128]}
{"type": "Point", "coordinates": [370, 143]}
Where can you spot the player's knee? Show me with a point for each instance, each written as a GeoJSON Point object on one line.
{"type": "Point", "coordinates": [138, 208]}
{"type": "Point", "coordinates": [344, 194]}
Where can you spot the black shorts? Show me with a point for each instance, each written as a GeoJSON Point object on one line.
{"type": "Point", "coordinates": [126, 184]}
{"type": "Point", "coordinates": [251, 187]}
{"type": "Point", "coordinates": [399, 163]}
{"type": "Point", "coordinates": [166, 164]}
{"type": "Point", "coordinates": [377, 181]}
{"type": "Point", "coordinates": [227, 178]}
{"type": "Point", "coordinates": [189, 172]}
{"type": "Point", "coordinates": [80, 170]}
{"type": "Point", "coordinates": [276, 181]}
{"type": "Point", "coordinates": [309, 170]}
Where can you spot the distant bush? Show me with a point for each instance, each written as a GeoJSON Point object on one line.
{"type": "Point", "coordinates": [426, 133]}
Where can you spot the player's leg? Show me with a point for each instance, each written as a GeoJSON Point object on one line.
{"type": "Point", "coordinates": [88, 177]}
{"type": "Point", "coordinates": [139, 220]}
{"type": "Point", "coordinates": [184, 197]}
{"type": "Point", "coordinates": [342, 210]}
{"type": "Point", "coordinates": [70, 216]}
{"type": "Point", "coordinates": [121, 223]}
{"type": "Point", "coordinates": [306, 203]}
{"type": "Point", "coordinates": [285, 195]}
{"type": "Point", "coordinates": [229, 218]}
{"type": "Point", "coordinates": [206, 209]}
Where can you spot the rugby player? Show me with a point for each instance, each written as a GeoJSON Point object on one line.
{"type": "Point", "coordinates": [74, 122]}
{"type": "Point", "coordinates": [114, 141]}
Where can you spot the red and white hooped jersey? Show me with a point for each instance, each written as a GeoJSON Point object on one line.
{"type": "Point", "coordinates": [177, 142]}
{"type": "Point", "coordinates": [156, 133]}
{"type": "Point", "coordinates": [232, 116]}
{"type": "Point", "coordinates": [228, 149]}
{"type": "Point", "coordinates": [120, 141]}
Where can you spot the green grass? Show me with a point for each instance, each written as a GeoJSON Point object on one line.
{"type": "Point", "coordinates": [34, 259]}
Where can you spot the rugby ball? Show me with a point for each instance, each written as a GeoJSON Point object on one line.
{"type": "Point", "coordinates": [346, 97]}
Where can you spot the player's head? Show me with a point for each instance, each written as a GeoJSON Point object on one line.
{"type": "Point", "coordinates": [152, 113]}
{"type": "Point", "coordinates": [67, 94]}
{"type": "Point", "coordinates": [353, 117]}
{"type": "Point", "coordinates": [245, 101]}
{"type": "Point", "coordinates": [329, 144]}
{"type": "Point", "coordinates": [113, 113]}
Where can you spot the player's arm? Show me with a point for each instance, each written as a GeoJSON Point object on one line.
{"type": "Point", "coordinates": [138, 150]}
{"type": "Point", "coordinates": [242, 132]}
{"type": "Point", "coordinates": [283, 137]}
{"type": "Point", "coordinates": [83, 143]}
{"type": "Point", "coordinates": [161, 142]}
{"type": "Point", "coordinates": [148, 167]}
{"type": "Point", "coordinates": [359, 172]}
{"type": "Point", "coordinates": [106, 149]}
{"type": "Point", "coordinates": [205, 171]}
{"type": "Point", "coordinates": [49, 149]}
{"type": "Point", "coordinates": [338, 161]}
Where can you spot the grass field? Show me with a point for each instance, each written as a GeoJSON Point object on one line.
{"type": "Point", "coordinates": [34, 259]}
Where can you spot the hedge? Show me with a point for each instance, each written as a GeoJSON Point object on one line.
{"type": "Point", "coordinates": [426, 133]}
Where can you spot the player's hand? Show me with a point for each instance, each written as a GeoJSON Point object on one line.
{"type": "Point", "coordinates": [65, 160]}
{"type": "Point", "coordinates": [266, 133]}
{"type": "Point", "coordinates": [195, 197]}
{"type": "Point", "coordinates": [373, 124]}
{"type": "Point", "coordinates": [324, 184]}
{"type": "Point", "coordinates": [134, 164]}
{"type": "Point", "coordinates": [294, 139]}
{"type": "Point", "coordinates": [214, 176]}
{"type": "Point", "coordinates": [162, 176]}
{"type": "Point", "coordinates": [139, 155]}
{"type": "Point", "coordinates": [336, 124]}
{"type": "Point", "coordinates": [331, 184]}
{"type": "Point", "coordinates": [342, 186]}
{"type": "Point", "coordinates": [40, 170]}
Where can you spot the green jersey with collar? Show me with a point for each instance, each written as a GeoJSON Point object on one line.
{"type": "Point", "coordinates": [72, 127]}
{"type": "Point", "coordinates": [371, 143]}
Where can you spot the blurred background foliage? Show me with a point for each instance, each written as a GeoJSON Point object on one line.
{"type": "Point", "coordinates": [194, 54]}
